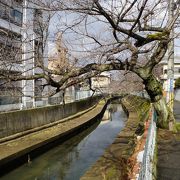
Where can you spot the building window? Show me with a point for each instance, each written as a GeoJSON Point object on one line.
{"type": "Point", "coordinates": [10, 92]}
{"type": "Point", "coordinates": [2, 10]}
{"type": "Point", "coordinates": [5, 12]}
{"type": "Point", "coordinates": [19, 1]}
{"type": "Point", "coordinates": [10, 48]}
{"type": "Point", "coordinates": [10, 14]}
{"type": "Point", "coordinates": [17, 16]}
{"type": "Point", "coordinates": [38, 20]}
{"type": "Point", "coordinates": [165, 71]}
{"type": "Point", "coordinates": [38, 89]}
{"type": "Point", "coordinates": [38, 52]}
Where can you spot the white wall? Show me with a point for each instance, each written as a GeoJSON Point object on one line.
{"type": "Point", "coordinates": [177, 95]}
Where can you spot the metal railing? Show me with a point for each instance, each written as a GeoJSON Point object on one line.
{"type": "Point", "coordinates": [8, 103]}
{"type": "Point", "coordinates": [146, 171]}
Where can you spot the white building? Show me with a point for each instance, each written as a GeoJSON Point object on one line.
{"type": "Point", "coordinates": [164, 71]}
{"type": "Point", "coordinates": [101, 81]}
{"type": "Point", "coordinates": [21, 48]}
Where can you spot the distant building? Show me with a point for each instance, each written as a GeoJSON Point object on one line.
{"type": "Point", "coordinates": [163, 76]}
{"type": "Point", "coordinates": [58, 59]}
{"type": "Point", "coordinates": [21, 49]}
{"type": "Point", "coordinates": [101, 81]}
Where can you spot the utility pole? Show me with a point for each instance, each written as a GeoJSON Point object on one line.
{"type": "Point", "coordinates": [170, 64]}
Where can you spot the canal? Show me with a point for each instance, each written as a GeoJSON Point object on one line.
{"type": "Point", "coordinates": [71, 159]}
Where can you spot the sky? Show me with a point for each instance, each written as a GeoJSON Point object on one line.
{"type": "Point", "coordinates": [57, 24]}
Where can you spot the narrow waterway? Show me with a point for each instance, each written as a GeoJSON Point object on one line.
{"type": "Point", "coordinates": [71, 159]}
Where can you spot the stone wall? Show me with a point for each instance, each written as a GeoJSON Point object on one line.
{"type": "Point", "coordinates": [19, 121]}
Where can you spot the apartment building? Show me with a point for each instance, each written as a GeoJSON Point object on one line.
{"type": "Point", "coordinates": [164, 66]}
{"type": "Point", "coordinates": [21, 48]}
{"type": "Point", "coordinates": [163, 76]}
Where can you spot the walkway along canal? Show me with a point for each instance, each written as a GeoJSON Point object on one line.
{"type": "Point", "coordinates": [71, 159]}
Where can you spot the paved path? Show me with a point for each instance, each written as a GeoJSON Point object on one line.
{"type": "Point", "coordinates": [168, 165]}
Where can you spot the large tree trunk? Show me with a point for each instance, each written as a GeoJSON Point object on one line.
{"type": "Point", "coordinates": [155, 92]}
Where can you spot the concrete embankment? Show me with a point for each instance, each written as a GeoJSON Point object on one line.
{"type": "Point", "coordinates": [28, 146]}
{"type": "Point", "coordinates": [117, 162]}
{"type": "Point", "coordinates": [23, 122]}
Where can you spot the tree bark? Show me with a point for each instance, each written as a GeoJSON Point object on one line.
{"type": "Point", "coordinates": [155, 92]}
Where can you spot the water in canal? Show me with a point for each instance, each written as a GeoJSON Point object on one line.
{"type": "Point", "coordinates": [71, 159]}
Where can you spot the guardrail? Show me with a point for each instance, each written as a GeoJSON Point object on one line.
{"type": "Point", "coordinates": [146, 171]}
{"type": "Point", "coordinates": [7, 105]}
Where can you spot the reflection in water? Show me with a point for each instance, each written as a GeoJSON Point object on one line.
{"type": "Point", "coordinates": [113, 108]}
{"type": "Point", "coordinates": [71, 159]}
{"type": "Point", "coordinates": [106, 116]}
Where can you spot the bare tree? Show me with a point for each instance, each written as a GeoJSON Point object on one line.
{"type": "Point", "coordinates": [126, 83]}
{"type": "Point", "coordinates": [130, 36]}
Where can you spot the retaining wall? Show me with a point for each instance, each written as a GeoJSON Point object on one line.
{"type": "Point", "coordinates": [19, 121]}
{"type": "Point", "coordinates": [117, 162]}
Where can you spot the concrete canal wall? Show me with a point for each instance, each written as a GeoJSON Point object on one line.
{"type": "Point", "coordinates": [117, 161]}
{"type": "Point", "coordinates": [25, 148]}
{"type": "Point", "coordinates": [20, 121]}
